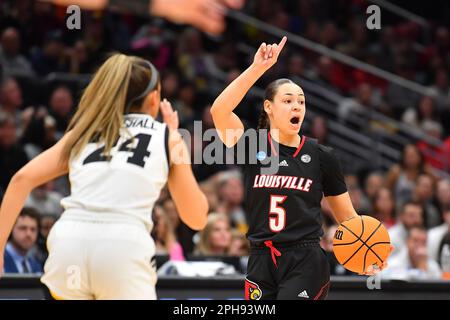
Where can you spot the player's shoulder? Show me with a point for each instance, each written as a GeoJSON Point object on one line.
{"type": "Point", "coordinates": [326, 153]}
{"type": "Point", "coordinates": [313, 142]}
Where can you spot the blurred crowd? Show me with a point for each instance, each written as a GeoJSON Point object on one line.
{"type": "Point", "coordinates": [44, 66]}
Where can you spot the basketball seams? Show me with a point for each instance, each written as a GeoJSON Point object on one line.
{"type": "Point", "coordinates": [358, 238]}
{"type": "Point", "coordinates": [370, 249]}
{"type": "Point", "coordinates": [363, 257]}
{"type": "Point", "coordinates": [364, 243]}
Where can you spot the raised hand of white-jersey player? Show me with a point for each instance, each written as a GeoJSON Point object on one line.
{"type": "Point", "coordinates": [170, 117]}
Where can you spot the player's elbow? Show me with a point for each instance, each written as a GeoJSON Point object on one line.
{"type": "Point", "coordinates": [217, 112]}
{"type": "Point", "coordinates": [20, 179]}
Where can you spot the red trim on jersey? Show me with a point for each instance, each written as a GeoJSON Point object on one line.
{"type": "Point", "coordinates": [321, 292]}
{"type": "Point", "coordinates": [271, 144]}
{"type": "Point", "coordinates": [273, 251]}
{"type": "Point", "coordinates": [302, 142]}
{"type": "Point", "coordinates": [300, 146]}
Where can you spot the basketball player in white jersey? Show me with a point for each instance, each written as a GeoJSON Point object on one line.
{"type": "Point", "coordinates": [118, 158]}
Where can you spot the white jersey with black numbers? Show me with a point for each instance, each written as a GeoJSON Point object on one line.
{"type": "Point", "coordinates": [126, 186]}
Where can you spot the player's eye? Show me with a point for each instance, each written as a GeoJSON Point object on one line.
{"type": "Point", "coordinates": [288, 101]}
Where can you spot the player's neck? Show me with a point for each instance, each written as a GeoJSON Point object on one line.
{"type": "Point", "coordinates": [285, 139]}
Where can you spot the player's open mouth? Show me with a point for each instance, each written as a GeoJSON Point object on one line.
{"type": "Point", "coordinates": [295, 120]}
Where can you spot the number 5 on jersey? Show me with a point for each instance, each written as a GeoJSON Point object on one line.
{"type": "Point", "coordinates": [277, 214]}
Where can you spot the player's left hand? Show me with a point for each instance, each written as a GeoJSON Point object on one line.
{"type": "Point", "coordinates": [170, 117]}
{"type": "Point", "coordinates": [374, 269]}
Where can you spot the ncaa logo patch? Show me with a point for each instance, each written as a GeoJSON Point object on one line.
{"type": "Point", "coordinates": [306, 158]}
{"type": "Point", "coordinates": [252, 290]}
{"type": "Point", "coordinates": [261, 155]}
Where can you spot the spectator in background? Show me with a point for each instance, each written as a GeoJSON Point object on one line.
{"type": "Point", "coordinates": [399, 97]}
{"type": "Point", "coordinates": [374, 182]}
{"type": "Point", "coordinates": [165, 238]}
{"type": "Point", "coordinates": [435, 155]}
{"type": "Point", "coordinates": [79, 60]}
{"type": "Point", "coordinates": [441, 89]}
{"type": "Point", "coordinates": [215, 238]}
{"type": "Point", "coordinates": [40, 250]}
{"type": "Point", "coordinates": [12, 155]}
{"type": "Point", "coordinates": [11, 98]}
{"type": "Point", "coordinates": [239, 246]}
{"type": "Point", "coordinates": [183, 233]}
{"type": "Point", "coordinates": [401, 177]}
{"type": "Point", "coordinates": [359, 106]}
{"type": "Point", "coordinates": [325, 70]}
{"type": "Point", "coordinates": [18, 257]}
{"type": "Point", "coordinates": [231, 194]}
{"type": "Point", "coordinates": [52, 57]}
{"type": "Point", "coordinates": [209, 188]}
{"type": "Point", "coordinates": [414, 262]}
{"type": "Point", "coordinates": [152, 40]}
{"type": "Point", "coordinates": [45, 201]}
{"type": "Point", "coordinates": [383, 207]}
{"type": "Point", "coordinates": [356, 194]}
{"type": "Point", "coordinates": [411, 215]}
{"type": "Point", "coordinates": [443, 194]}
{"type": "Point", "coordinates": [170, 84]}
{"type": "Point", "coordinates": [61, 109]}
{"type": "Point", "coordinates": [436, 235]}
{"type": "Point", "coordinates": [423, 193]}
{"type": "Point", "coordinates": [192, 59]}
{"type": "Point", "coordinates": [40, 132]}
{"type": "Point", "coordinates": [12, 61]}
{"type": "Point", "coordinates": [186, 103]}
{"type": "Point", "coordinates": [319, 130]}
{"type": "Point", "coordinates": [383, 50]}
{"type": "Point", "coordinates": [425, 110]}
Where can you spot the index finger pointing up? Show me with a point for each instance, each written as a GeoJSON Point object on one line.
{"type": "Point", "coordinates": [282, 43]}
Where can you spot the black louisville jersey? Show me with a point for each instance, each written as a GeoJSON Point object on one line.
{"type": "Point", "coordinates": [285, 206]}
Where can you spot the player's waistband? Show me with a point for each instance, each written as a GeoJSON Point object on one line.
{"type": "Point", "coordinates": [261, 247]}
{"type": "Point", "coordinates": [80, 215]}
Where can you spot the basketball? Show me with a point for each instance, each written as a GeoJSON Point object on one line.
{"type": "Point", "coordinates": [360, 242]}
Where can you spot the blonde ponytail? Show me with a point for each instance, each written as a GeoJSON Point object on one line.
{"type": "Point", "coordinates": [100, 113]}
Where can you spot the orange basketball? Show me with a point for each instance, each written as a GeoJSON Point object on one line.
{"type": "Point", "coordinates": [360, 242]}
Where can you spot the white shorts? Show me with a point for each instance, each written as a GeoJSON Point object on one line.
{"type": "Point", "coordinates": [99, 260]}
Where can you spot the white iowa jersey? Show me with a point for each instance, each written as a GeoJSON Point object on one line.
{"type": "Point", "coordinates": [127, 186]}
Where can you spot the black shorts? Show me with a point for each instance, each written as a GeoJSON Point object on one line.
{"type": "Point", "coordinates": [287, 272]}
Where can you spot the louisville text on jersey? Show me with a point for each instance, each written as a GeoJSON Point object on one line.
{"type": "Point", "coordinates": [282, 182]}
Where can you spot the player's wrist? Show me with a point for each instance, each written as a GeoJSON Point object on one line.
{"type": "Point", "coordinates": [257, 69]}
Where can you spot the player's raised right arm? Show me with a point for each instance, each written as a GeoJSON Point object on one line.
{"type": "Point", "coordinates": [222, 109]}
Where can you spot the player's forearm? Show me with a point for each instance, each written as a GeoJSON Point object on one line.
{"type": "Point", "coordinates": [342, 207]}
{"type": "Point", "coordinates": [13, 202]}
{"type": "Point", "coordinates": [233, 94]}
{"type": "Point", "coordinates": [197, 214]}
{"type": "Point", "coordinates": [344, 216]}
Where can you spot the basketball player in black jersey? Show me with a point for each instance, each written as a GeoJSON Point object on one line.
{"type": "Point", "coordinates": [283, 208]}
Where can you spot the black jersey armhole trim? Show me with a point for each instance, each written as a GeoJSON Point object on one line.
{"type": "Point", "coordinates": [166, 144]}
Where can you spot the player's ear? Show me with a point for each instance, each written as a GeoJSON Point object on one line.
{"type": "Point", "coordinates": [152, 102]}
{"type": "Point", "coordinates": [268, 106]}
